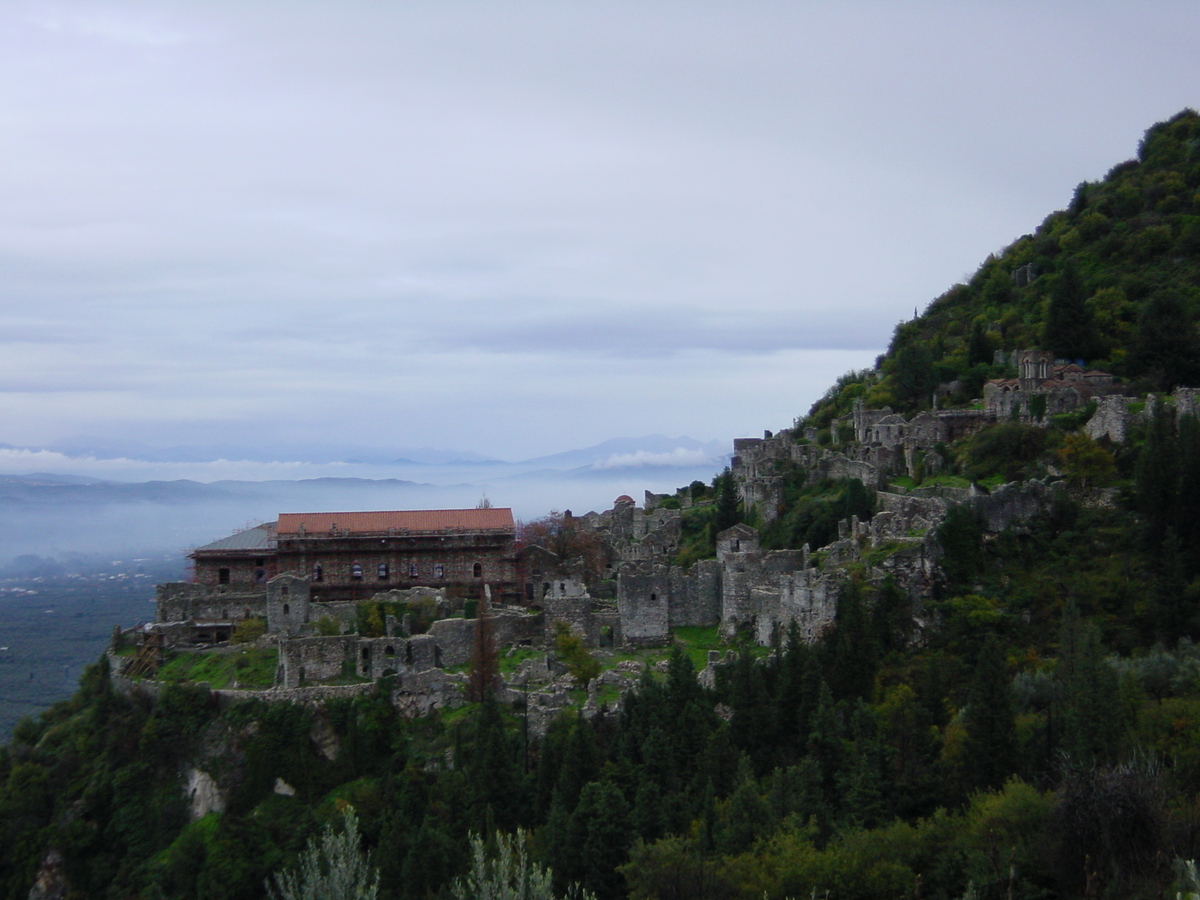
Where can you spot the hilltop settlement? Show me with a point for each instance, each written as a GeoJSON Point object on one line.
{"type": "Point", "coordinates": [310, 580]}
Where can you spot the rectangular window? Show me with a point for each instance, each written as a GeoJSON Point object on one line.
{"type": "Point", "coordinates": [222, 576]}
{"type": "Point", "coordinates": [412, 570]}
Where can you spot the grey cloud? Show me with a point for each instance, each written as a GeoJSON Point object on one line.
{"type": "Point", "coordinates": [444, 220]}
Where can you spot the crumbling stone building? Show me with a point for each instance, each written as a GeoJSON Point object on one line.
{"type": "Point", "coordinates": [1065, 385]}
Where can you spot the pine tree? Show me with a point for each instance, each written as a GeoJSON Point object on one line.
{"type": "Point", "coordinates": [991, 743]}
{"type": "Point", "coordinates": [601, 833]}
{"type": "Point", "coordinates": [854, 653]}
{"type": "Point", "coordinates": [494, 771]}
{"type": "Point", "coordinates": [862, 780]}
{"type": "Point", "coordinates": [827, 753]}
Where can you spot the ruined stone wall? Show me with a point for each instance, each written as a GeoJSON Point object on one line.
{"type": "Point", "coordinates": [914, 570]}
{"type": "Point", "coordinates": [454, 638]}
{"type": "Point", "coordinates": [288, 604]}
{"type": "Point", "coordinates": [695, 595]}
{"type": "Point", "coordinates": [743, 574]}
{"type": "Point", "coordinates": [1110, 420]}
{"type": "Point", "coordinates": [757, 467]}
{"type": "Point", "coordinates": [838, 466]}
{"type": "Point", "coordinates": [1187, 401]}
{"type": "Point", "coordinates": [378, 657]}
{"type": "Point", "coordinates": [808, 597]}
{"type": "Point", "coordinates": [315, 659]}
{"type": "Point", "coordinates": [899, 514]}
{"type": "Point", "coordinates": [183, 601]}
{"type": "Point", "coordinates": [1014, 503]}
{"type": "Point", "coordinates": [643, 602]}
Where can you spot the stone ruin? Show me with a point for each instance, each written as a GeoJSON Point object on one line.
{"type": "Point", "coordinates": [645, 597]}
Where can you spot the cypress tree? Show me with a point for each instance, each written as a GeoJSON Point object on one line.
{"type": "Point", "coordinates": [1157, 476]}
{"type": "Point", "coordinates": [1166, 348]}
{"type": "Point", "coordinates": [484, 675]}
{"type": "Point", "coordinates": [728, 513]}
{"type": "Point", "coordinates": [1070, 331]}
{"type": "Point", "coordinates": [1089, 691]}
{"type": "Point", "coordinates": [979, 352]}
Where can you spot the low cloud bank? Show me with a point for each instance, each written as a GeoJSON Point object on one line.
{"type": "Point", "coordinates": [642, 459]}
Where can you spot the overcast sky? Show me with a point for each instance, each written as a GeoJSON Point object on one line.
{"type": "Point", "coordinates": [520, 227]}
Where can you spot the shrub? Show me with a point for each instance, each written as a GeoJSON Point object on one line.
{"type": "Point", "coordinates": [249, 630]}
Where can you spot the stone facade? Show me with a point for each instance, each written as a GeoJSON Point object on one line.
{"type": "Point", "coordinates": [353, 555]}
{"type": "Point", "coordinates": [1065, 385]}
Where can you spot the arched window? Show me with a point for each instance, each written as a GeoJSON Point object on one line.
{"type": "Point", "coordinates": [356, 572]}
{"type": "Point", "coordinates": [286, 609]}
{"type": "Point", "coordinates": [382, 571]}
{"type": "Point", "coordinates": [318, 572]}
{"type": "Point", "coordinates": [478, 571]}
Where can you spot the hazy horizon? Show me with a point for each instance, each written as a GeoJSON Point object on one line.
{"type": "Point", "coordinates": [520, 228]}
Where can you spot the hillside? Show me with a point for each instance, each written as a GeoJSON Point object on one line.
{"type": "Point", "coordinates": [992, 538]}
{"type": "Point", "coordinates": [1113, 280]}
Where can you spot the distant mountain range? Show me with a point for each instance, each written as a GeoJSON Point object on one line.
{"type": "Point", "coordinates": [321, 454]}
{"type": "Point", "coordinates": [56, 513]}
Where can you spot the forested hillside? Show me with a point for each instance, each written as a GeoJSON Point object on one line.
{"type": "Point", "coordinates": [1031, 730]}
{"type": "Point", "coordinates": [1113, 280]}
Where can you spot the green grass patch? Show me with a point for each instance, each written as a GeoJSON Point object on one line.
{"type": "Point", "coordinates": [880, 552]}
{"type": "Point", "coordinates": [253, 667]}
{"type": "Point", "coordinates": [954, 481]}
{"type": "Point", "coordinates": [608, 694]}
{"type": "Point", "coordinates": [698, 641]}
{"type": "Point", "coordinates": [509, 663]}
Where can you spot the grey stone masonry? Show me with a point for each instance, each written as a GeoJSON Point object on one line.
{"type": "Point", "coordinates": [644, 600]}
{"type": "Point", "coordinates": [184, 601]}
{"type": "Point", "coordinates": [289, 604]}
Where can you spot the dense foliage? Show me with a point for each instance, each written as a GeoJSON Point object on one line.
{"type": "Point", "coordinates": [1113, 280]}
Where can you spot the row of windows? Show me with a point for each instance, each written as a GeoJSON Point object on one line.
{"type": "Point", "coordinates": [382, 572]}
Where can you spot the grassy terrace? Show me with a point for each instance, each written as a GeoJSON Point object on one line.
{"type": "Point", "coordinates": [253, 667]}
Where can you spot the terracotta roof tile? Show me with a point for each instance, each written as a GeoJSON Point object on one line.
{"type": "Point", "coordinates": [419, 520]}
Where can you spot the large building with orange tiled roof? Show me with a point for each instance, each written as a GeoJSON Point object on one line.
{"type": "Point", "coordinates": [355, 555]}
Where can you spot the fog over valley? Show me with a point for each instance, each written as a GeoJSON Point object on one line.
{"type": "Point", "coordinates": [62, 505]}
